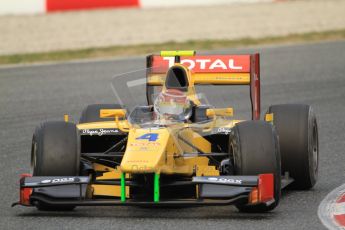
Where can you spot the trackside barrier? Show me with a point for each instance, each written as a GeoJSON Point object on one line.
{"type": "Point", "coordinates": [48, 6]}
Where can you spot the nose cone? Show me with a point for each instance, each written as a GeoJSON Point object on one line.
{"type": "Point", "coordinates": [146, 151]}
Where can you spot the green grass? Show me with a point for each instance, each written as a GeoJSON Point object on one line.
{"type": "Point", "coordinates": [114, 51]}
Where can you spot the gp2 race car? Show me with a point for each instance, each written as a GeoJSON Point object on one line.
{"type": "Point", "coordinates": [176, 149]}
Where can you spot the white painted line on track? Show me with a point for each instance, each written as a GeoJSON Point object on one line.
{"type": "Point", "coordinates": [329, 208]}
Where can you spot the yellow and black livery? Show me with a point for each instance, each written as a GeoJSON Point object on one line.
{"type": "Point", "coordinates": [209, 159]}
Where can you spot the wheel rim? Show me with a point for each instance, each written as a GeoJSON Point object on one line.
{"type": "Point", "coordinates": [315, 147]}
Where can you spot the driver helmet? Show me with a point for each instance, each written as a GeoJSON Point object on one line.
{"type": "Point", "coordinates": [173, 104]}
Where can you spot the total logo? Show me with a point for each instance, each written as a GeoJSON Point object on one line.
{"type": "Point", "coordinates": [58, 180]}
{"type": "Point", "coordinates": [225, 180]}
{"type": "Point", "coordinates": [207, 64]}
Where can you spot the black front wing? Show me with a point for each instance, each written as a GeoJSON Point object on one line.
{"type": "Point", "coordinates": [213, 190]}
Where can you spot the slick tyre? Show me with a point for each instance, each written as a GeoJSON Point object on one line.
{"type": "Point", "coordinates": [255, 150]}
{"type": "Point", "coordinates": [297, 129]}
{"type": "Point", "coordinates": [91, 112]}
{"type": "Point", "coordinates": [55, 152]}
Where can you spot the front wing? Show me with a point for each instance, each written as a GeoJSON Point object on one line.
{"type": "Point", "coordinates": [212, 190]}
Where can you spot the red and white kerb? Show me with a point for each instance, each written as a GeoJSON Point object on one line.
{"type": "Point", "coordinates": [339, 211]}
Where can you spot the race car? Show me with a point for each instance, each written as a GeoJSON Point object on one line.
{"type": "Point", "coordinates": [176, 149]}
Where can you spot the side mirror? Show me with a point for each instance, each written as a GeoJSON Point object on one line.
{"type": "Point", "coordinates": [116, 113]}
{"type": "Point", "coordinates": [225, 112]}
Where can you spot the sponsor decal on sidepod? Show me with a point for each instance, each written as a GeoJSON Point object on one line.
{"type": "Point", "coordinates": [226, 131]}
{"type": "Point", "coordinates": [99, 132]}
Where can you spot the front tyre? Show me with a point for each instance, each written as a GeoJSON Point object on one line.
{"type": "Point", "coordinates": [55, 152]}
{"type": "Point", "coordinates": [255, 150]}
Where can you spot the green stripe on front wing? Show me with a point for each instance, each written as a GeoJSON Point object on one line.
{"type": "Point", "coordinates": [123, 187]}
{"type": "Point", "coordinates": [156, 187]}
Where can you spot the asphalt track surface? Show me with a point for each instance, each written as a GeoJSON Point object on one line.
{"type": "Point", "coordinates": [312, 74]}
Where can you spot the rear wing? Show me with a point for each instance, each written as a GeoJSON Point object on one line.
{"type": "Point", "coordinates": [211, 70]}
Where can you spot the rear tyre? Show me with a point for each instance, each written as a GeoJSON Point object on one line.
{"type": "Point", "coordinates": [91, 112]}
{"type": "Point", "coordinates": [296, 126]}
{"type": "Point", "coordinates": [55, 152]}
{"type": "Point", "coordinates": [255, 149]}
